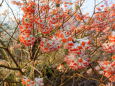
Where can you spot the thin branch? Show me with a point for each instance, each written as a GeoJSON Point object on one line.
{"type": "Point", "coordinates": [7, 32]}
{"type": "Point", "coordinates": [10, 68]}
{"type": "Point", "coordinates": [1, 3]}
{"type": "Point", "coordinates": [12, 35]}
{"type": "Point", "coordinates": [12, 12]}
{"type": "Point", "coordinates": [11, 56]}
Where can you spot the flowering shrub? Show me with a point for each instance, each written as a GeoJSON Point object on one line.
{"type": "Point", "coordinates": [56, 39]}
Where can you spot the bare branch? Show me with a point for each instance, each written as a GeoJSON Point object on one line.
{"type": "Point", "coordinates": [10, 68]}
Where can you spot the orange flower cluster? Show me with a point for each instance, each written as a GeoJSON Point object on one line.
{"type": "Point", "coordinates": [55, 41]}
{"type": "Point", "coordinates": [75, 62]}
{"type": "Point", "coordinates": [108, 69]}
{"type": "Point", "coordinates": [77, 58]}
{"type": "Point", "coordinates": [110, 46]}
{"type": "Point", "coordinates": [27, 25]}
{"type": "Point", "coordinates": [49, 45]}
{"type": "Point", "coordinates": [16, 3]}
{"type": "Point", "coordinates": [103, 19]}
{"type": "Point", "coordinates": [37, 82]}
{"type": "Point", "coordinates": [43, 20]}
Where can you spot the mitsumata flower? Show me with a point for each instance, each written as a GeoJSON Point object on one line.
{"type": "Point", "coordinates": [28, 82]}
{"type": "Point", "coordinates": [76, 58]}
{"type": "Point", "coordinates": [108, 69]}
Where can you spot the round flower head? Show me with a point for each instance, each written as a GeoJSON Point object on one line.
{"type": "Point", "coordinates": [25, 29]}
{"type": "Point", "coordinates": [29, 7]}
{"type": "Point", "coordinates": [26, 39]}
{"type": "Point", "coordinates": [108, 69]}
{"type": "Point", "coordinates": [49, 45]}
{"type": "Point", "coordinates": [75, 62]}
{"type": "Point", "coordinates": [109, 47]}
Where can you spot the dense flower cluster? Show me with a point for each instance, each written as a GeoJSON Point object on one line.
{"type": "Point", "coordinates": [49, 45]}
{"type": "Point", "coordinates": [108, 68]}
{"type": "Point", "coordinates": [44, 23]}
{"type": "Point", "coordinates": [102, 18]}
{"type": "Point", "coordinates": [27, 39]}
{"type": "Point", "coordinates": [36, 82]}
{"type": "Point", "coordinates": [55, 41]}
{"type": "Point", "coordinates": [77, 58]}
{"type": "Point", "coordinates": [27, 24]}
{"type": "Point", "coordinates": [110, 46]}
{"type": "Point", "coordinates": [75, 62]}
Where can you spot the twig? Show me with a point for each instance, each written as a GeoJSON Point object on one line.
{"type": "Point", "coordinates": [11, 56]}
{"type": "Point", "coordinates": [1, 3]}
{"type": "Point", "coordinates": [10, 68]}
